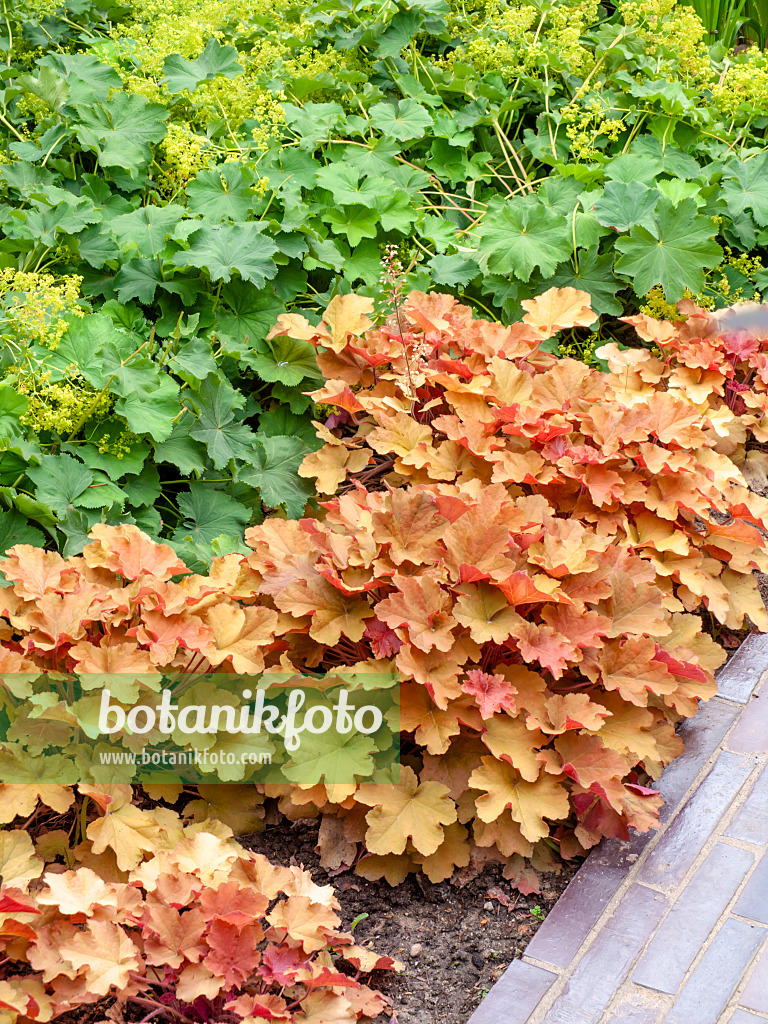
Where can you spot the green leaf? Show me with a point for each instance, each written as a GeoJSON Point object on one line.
{"type": "Point", "coordinates": [43, 223]}
{"type": "Point", "coordinates": [440, 231]}
{"type": "Point", "coordinates": [143, 489]}
{"type": "Point", "coordinates": [75, 528]}
{"type": "Point", "coordinates": [247, 312]}
{"type": "Point", "coordinates": [225, 439]}
{"type": "Point", "coordinates": [595, 275]}
{"type": "Point", "coordinates": [279, 421]}
{"type": "Point", "coordinates": [87, 78]}
{"type": "Point", "coordinates": [181, 450]}
{"type": "Point", "coordinates": [152, 411]}
{"type": "Point", "coordinates": [669, 159]}
{"type": "Point", "coordinates": [396, 210]}
{"type": "Point", "coordinates": [14, 529]}
{"type": "Point", "coordinates": [376, 157]}
{"type": "Point", "coordinates": [676, 190]}
{"type": "Point", "coordinates": [147, 227]}
{"type": "Point", "coordinates": [121, 130]}
{"type": "Point", "coordinates": [194, 361]}
{"type": "Point", "coordinates": [223, 248]}
{"type": "Point", "coordinates": [49, 86]}
{"type": "Point", "coordinates": [515, 238]}
{"type": "Point", "coordinates": [364, 264]}
{"type": "Point", "coordinates": [128, 372]}
{"type": "Point", "coordinates": [215, 61]}
{"type": "Point", "coordinates": [286, 360]}
{"type": "Point", "coordinates": [674, 253]}
{"type": "Point", "coordinates": [274, 470]}
{"type": "Point", "coordinates": [409, 120]}
{"type": "Point", "coordinates": [356, 222]}
{"type": "Point", "coordinates": [81, 347]}
{"type": "Point", "coordinates": [632, 167]}
{"type": "Point", "coordinates": [625, 204]}
{"type": "Point", "coordinates": [223, 191]}
{"type": "Point", "coordinates": [314, 122]}
{"type": "Point", "coordinates": [292, 398]}
{"type": "Point", "coordinates": [343, 182]}
{"type": "Point", "coordinates": [209, 514]}
{"type": "Point", "coordinates": [138, 279]}
{"type": "Point", "coordinates": [399, 33]}
{"type": "Point", "coordinates": [745, 187]}
{"type": "Point", "coordinates": [118, 457]}
{"type": "Point", "coordinates": [60, 480]}
{"type": "Point", "coordinates": [12, 407]}
{"type": "Point", "coordinates": [96, 247]}
{"type": "Point", "coordinates": [453, 270]}
{"type": "Point", "coordinates": [102, 493]}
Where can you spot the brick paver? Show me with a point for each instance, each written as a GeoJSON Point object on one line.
{"type": "Point", "coordinates": [751, 823]}
{"type": "Point", "coordinates": [692, 919]}
{"type": "Point", "coordinates": [672, 927]}
{"type": "Point", "coordinates": [683, 840]}
{"type": "Point", "coordinates": [709, 988]}
{"type": "Point", "coordinates": [755, 995]}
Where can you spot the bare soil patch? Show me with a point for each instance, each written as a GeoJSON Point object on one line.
{"type": "Point", "coordinates": [452, 944]}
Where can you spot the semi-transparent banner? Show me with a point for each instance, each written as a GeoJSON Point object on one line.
{"type": "Point", "coordinates": [272, 728]}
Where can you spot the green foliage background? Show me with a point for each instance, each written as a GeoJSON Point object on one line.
{"type": "Point", "coordinates": [176, 173]}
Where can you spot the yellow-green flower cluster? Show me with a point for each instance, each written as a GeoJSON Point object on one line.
{"type": "Point", "coordinates": [516, 39]}
{"type": "Point", "coordinates": [581, 349]}
{"type": "Point", "coordinates": [671, 30]}
{"type": "Point", "coordinates": [59, 408]}
{"type": "Point", "coordinates": [33, 307]}
{"type": "Point", "coordinates": [118, 445]}
{"type": "Point", "coordinates": [656, 305]}
{"type": "Point", "coordinates": [22, 11]}
{"type": "Point", "coordinates": [585, 125]}
{"type": "Point", "coordinates": [160, 27]}
{"type": "Point", "coordinates": [743, 88]}
{"type": "Point", "coordinates": [181, 155]}
{"type": "Point", "coordinates": [238, 100]}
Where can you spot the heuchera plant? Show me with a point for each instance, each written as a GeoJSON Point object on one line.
{"type": "Point", "coordinates": [538, 539]}
{"type": "Point", "coordinates": [175, 919]}
{"type": "Point", "coordinates": [523, 539]}
{"type": "Point", "coordinates": [719, 369]}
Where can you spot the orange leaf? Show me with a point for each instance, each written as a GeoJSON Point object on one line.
{"type": "Point", "coordinates": [422, 607]}
{"type": "Point", "coordinates": [128, 552]}
{"type": "Point", "coordinates": [529, 803]}
{"type": "Point", "coordinates": [406, 810]}
{"type": "Point", "coordinates": [559, 309]}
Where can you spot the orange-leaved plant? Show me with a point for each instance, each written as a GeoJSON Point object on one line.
{"type": "Point", "coordinates": [170, 917]}
{"type": "Point", "coordinates": [525, 547]}
{"type": "Point", "coordinates": [719, 370]}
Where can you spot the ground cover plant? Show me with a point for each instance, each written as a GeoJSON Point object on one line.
{"type": "Point", "coordinates": [525, 541]}
{"type": "Point", "coordinates": [171, 914]}
{"type": "Point", "coordinates": [175, 176]}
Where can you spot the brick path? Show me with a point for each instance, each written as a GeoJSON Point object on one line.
{"type": "Point", "coordinates": [672, 927]}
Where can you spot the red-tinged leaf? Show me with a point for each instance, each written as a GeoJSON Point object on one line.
{"type": "Point", "coordinates": [685, 669]}
{"type": "Point", "coordinates": [492, 692]}
{"type": "Point", "coordinates": [127, 551]}
{"type": "Point", "coordinates": [281, 964]}
{"type": "Point", "coordinates": [423, 608]}
{"type": "Point", "coordinates": [520, 588]}
{"type": "Point", "coordinates": [586, 760]}
{"type": "Point", "coordinates": [543, 645]}
{"type": "Point", "coordinates": [384, 641]}
{"type": "Point", "coordinates": [10, 905]}
{"type": "Point", "coordinates": [233, 954]}
{"type": "Point", "coordinates": [450, 507]}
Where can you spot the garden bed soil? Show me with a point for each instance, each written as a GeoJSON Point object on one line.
{"type": "Point", "coordinates": [453, 945]}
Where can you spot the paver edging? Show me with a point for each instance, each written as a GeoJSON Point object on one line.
{"type": "Point", "coordinates": [603, 881]}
